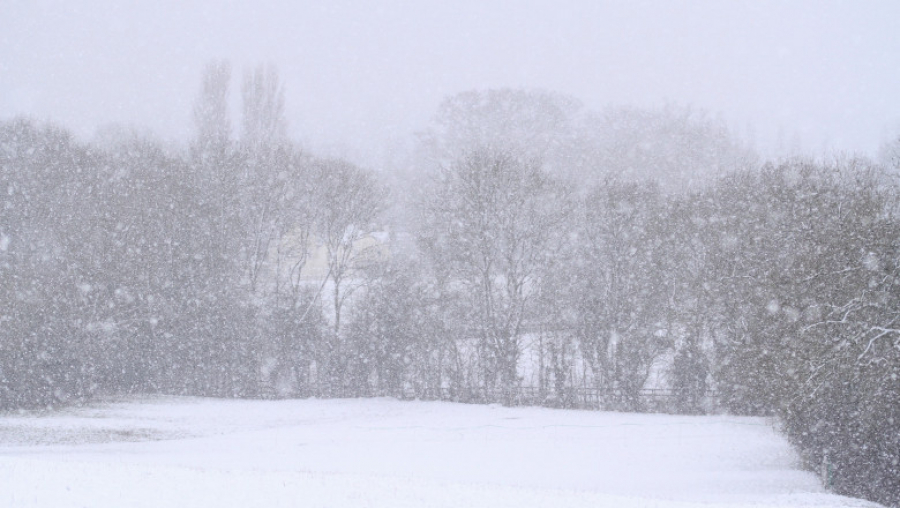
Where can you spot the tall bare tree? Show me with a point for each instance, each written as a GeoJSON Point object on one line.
{"type": "Point", "coordinates": [211, 118]}
{"type": "Point", "coordinates": [264, 120]}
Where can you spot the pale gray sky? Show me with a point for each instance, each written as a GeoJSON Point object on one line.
{"type": "Point", "coordinates": [360, 74]}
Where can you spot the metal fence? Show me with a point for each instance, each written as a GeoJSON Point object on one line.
{"type": "Point", "coordinates": [656, 400]}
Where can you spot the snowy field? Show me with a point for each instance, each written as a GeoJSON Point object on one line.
{"type": "Point", "coordinates": [358, 453]}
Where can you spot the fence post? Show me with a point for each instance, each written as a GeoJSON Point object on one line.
{"type": "Point", "coordinates": [827, 471]}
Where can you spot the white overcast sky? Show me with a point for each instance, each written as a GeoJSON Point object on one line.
{"type": "Point", "coordinates": [363, 74]}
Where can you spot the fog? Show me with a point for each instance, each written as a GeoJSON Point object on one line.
{"type": "Point", "coordinates": [361, 77]}
{"type": "Point", "coordinates": [684, 207]}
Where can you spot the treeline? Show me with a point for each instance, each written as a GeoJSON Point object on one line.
{"type": "Point", "coordinates": [778, 287]}
{"type": "Point", "coordinates": [127, 268]}
{"type": "Point", "coordinates": [530, 250]}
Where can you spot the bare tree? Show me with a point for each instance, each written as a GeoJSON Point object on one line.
{"type": "Point", "coordinates": [620, 292]}
{"type": "Point", "coordinates": [681, 148]}
{"type": "Point", "coordinates": [264, 120]}
{"type": "Point", "coordinates": [350, 201]}
{"type": "Point", "coordinates": [211, 118]}
{"type": "Point", "coordinates": [495, 223]}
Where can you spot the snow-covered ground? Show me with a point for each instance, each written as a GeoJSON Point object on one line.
{"type": "Point", "coordinates": [189, 452]}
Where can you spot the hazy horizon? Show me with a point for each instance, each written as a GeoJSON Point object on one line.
{"type": "Point", "coordinates": [361, 77]}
